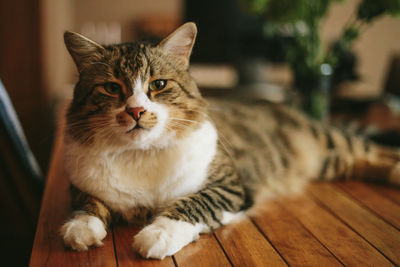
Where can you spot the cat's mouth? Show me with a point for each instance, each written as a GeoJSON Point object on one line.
{"type": "Point", "coordinates": [137, 127]}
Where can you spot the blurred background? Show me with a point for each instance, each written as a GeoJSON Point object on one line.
{"type": "Point", "coordinates": [244, 48]}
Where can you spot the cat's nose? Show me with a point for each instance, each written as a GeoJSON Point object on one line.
{"type": "Point", "coordinates": [135, 112]}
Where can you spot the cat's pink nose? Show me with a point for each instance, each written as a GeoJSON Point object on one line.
{"type": "Point", "coordinates": [135, 112]}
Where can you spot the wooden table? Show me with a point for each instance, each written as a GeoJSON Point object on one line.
{"type": "Point", "coordinates": [346, 223]}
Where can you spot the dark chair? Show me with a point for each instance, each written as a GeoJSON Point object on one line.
{"type": "Point", "coordinates": [21, 186]}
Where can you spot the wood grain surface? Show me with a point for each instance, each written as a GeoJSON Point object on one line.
{"type": "Point", "coordinates": [348, 223]}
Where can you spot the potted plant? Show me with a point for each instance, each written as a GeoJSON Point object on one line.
{"type": "Point", "coordinates": [316, 70]}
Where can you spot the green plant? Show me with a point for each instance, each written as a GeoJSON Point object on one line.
{"type": "Point", "coordinates": [301, 20]}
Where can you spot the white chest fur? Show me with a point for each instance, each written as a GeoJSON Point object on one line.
{"type": "Point", "coordinates": [147, 178]}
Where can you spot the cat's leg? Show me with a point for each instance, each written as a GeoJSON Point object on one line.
{"type": "Point", "coordinates": [217, 204]}
{"type": "Point", "coordinates": [88, 223]}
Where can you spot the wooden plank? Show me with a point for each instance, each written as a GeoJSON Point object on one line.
{"type": "Point", "coordinates": [246, 246]}
{"type": "Point", "coordinates": [389, 192]}
{"type": "Point", "coordinates": [286, 233]}
{"type": "Point", "coordinates": [346, 245]}
{"type": "Point", "coordinates": [204, 252]}
{"type": "Point", "coordinates": [380, 234]}
{"type": "Point", "coordinates": [123, 238]}
{"type": "Point", "coordinates": [382, 206]}
{"type": "Point", "coordinates": [48, 248]}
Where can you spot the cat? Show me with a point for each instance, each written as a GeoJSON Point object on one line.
{"type": "Point", "coordinates": [141, 143]}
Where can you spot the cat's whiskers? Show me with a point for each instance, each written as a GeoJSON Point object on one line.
{"type": "Point", "coordinates": [223, 142]}
{"type": "Point", "coordinates": [91, 130]}
{"type": "Point", "coordinates": [107, 136]}
{"type": "Point", "coordinates": [194, 110]}
{"type": "Point", "coordinates": [100, 63]}
{"type": "Point", "coordinates": [223, 139]}
{"type": "Point", "coordinates": [224, 147]}
{"type": "Point", "coordinates": [169, 128]}
{"type": "Point", "coordinates": [92, 121]}
{"type": "Point", "coordinates": [100, 126]}
{"type": "Point", "coordinates": [202, 113]}
{"type": "Point", "coordinates": [90, 126]}
{"type": "Point", "coordinates": [95, 128]}
{"type": "Point", "coordinates": [219, 133]}
{"type": "Point", "coordinates": [186, 120]}
{"type": "Point", "coordinates": [179, 125]}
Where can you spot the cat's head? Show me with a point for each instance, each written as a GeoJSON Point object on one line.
{"type": "Point", "coordinates": [134, 94]}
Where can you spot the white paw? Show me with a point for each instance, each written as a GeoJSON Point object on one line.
{"type": "Point", "coordinates": [83, 231]}
{"type": "Point", "coordinates": [164, 237]}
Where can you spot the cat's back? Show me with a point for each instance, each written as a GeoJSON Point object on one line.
{"type": "Point", "coordinates": [266, 139]}
{"type": "Point", "coordinates": [248, 119]}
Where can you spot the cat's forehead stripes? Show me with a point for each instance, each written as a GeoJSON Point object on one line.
{"type": "Point", "coordinates": [129, 62]}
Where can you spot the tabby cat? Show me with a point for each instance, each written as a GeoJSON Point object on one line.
{"type": "Point", "coordinates": [142, 144]}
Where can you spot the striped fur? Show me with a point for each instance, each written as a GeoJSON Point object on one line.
{"type": "Point", "coordinates": [186, 166]}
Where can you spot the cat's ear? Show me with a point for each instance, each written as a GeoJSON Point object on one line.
{"type": "Point", "coordinates": [180, 42]}
{"type": "Point", "coordinates": [82, 50]}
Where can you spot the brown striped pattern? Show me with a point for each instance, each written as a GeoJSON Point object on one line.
{"type": "Point", "coordinates": [90, 109]}
{"type": "Point", "coordinates": [223, 192]}
{"type": "Point", "coordinates": [85, 203]}
{"type": "Point", "coordinates": [275, 146]}
{"type": "Point", "coordinates": [262, 146]}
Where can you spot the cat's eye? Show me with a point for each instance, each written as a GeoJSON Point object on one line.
{"type": "Point", "coordinates": [157, 85]}
{"type": "Point", "coordinates": [112, 88]}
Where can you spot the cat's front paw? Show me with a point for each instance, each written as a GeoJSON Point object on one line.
{"type": "Point", "coordinates": [164, 237]}
{"type": "Point", "coordinates": [83, 231]}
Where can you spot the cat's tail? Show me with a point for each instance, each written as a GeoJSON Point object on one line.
{"type": "Point", "coordinates": [357, 158]}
